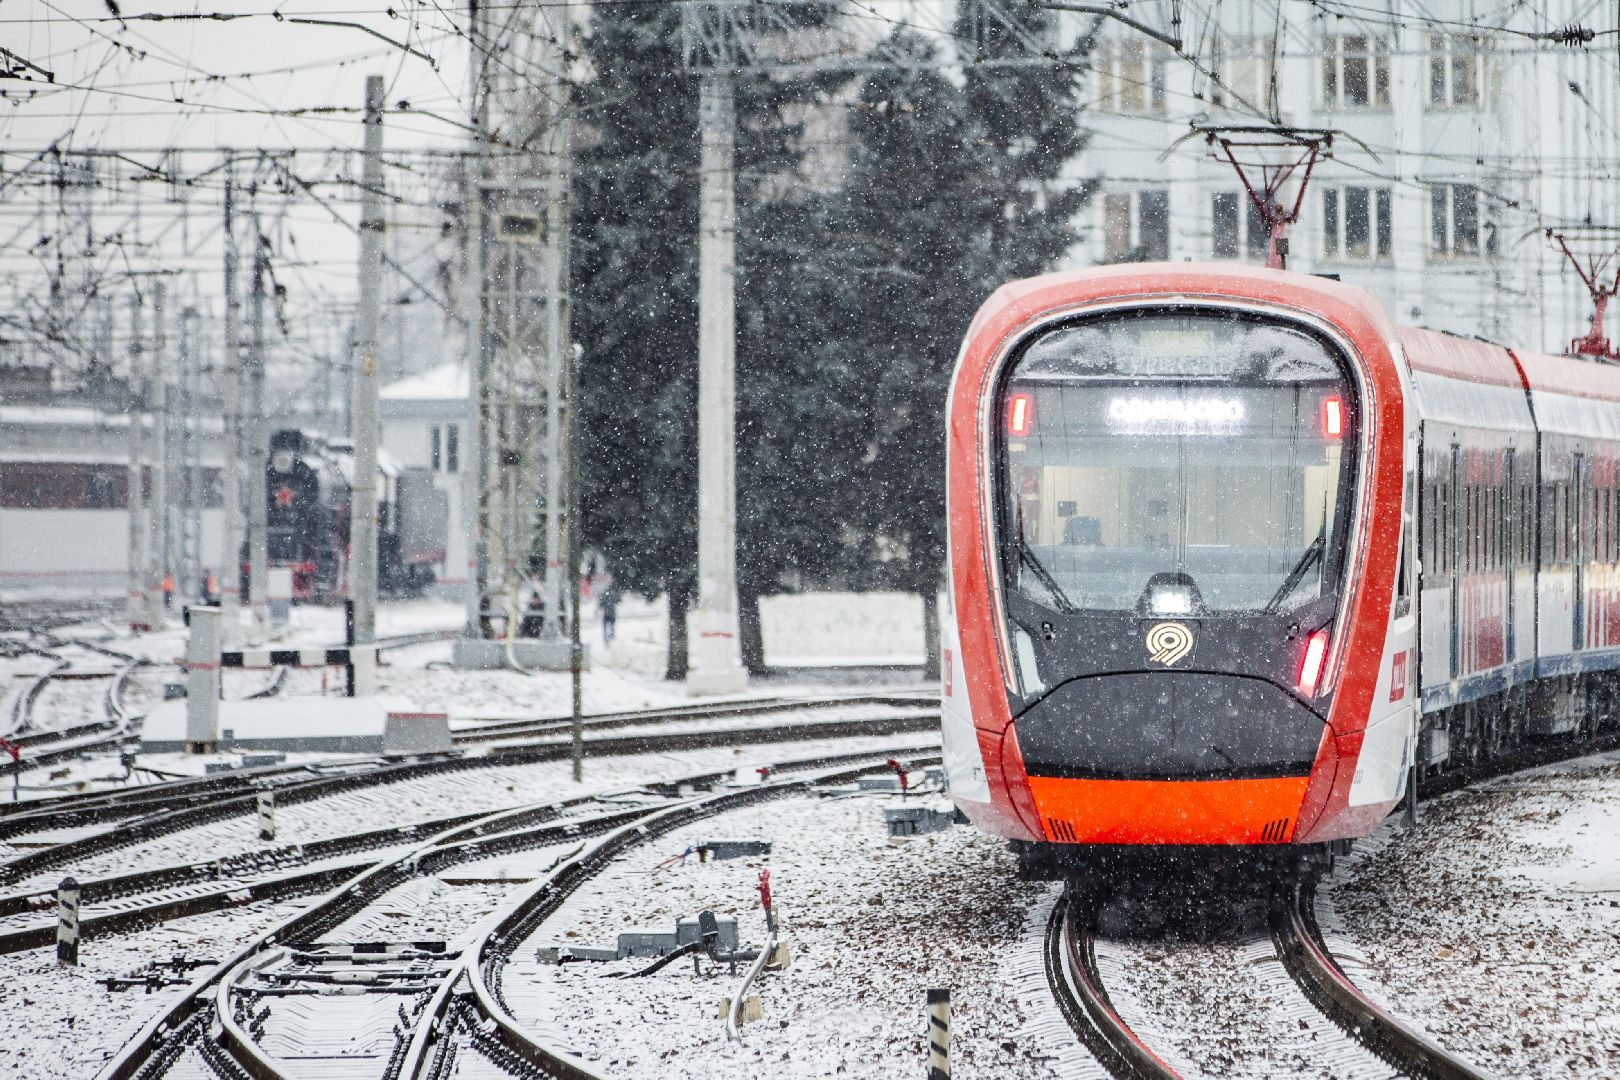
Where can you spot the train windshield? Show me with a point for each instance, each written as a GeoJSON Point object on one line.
{"type": "Point", "coordinates": [1183, 464]}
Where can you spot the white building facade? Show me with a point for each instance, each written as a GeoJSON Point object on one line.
{"type": "Point", "coordinates": [1463, 139]}
{"type": "Point", "coordinates": [423, 422]}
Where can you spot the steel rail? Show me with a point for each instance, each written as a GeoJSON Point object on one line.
{"type": "Point", "coordinates": [85, 808]}
{"type": "Point", "coordinates": [484, 958]}
{"type": "Point", "coordinates": [1303, 952]}
{"type": "Point", "coordinates": [492, 731]}
{"type": "Point", "coordinates": [273, 688]}
{"type": "Point", "coordinates": [1077, 986]}
{"type": "Point", "coordinates": [103, 891]}
{"type": "Point", "coordinates": [49, 745]}
{"type": "Point", "coordinates": [501, 832]}
{"type": "Point", "coordinates": [203, 807]}
{"type": "Point", "coordinates": [23, 708]}
{"type": "Point", "coordinates": [231, 867]}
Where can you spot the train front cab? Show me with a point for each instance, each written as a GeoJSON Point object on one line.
{"type": "Point", "coordinates": [1176, 517]}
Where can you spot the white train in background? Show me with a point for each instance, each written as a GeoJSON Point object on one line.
{"type": "Point", "coordinates": [64, 501]}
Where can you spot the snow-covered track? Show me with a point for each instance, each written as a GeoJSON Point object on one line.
{"type": "Point", "coordinates": [44, 744]}
{"type": "Point", "coordinates": [483, 1022]}
{"type": "Point", "coordinates": [1077, 986]}
{"type": "Point", "coordinates": [145, 898]}
{"type": "Point", "coordinates": [220, 997]}
{"type": "Point", "coordinates": [503, 730]}
{"type": "Point", "coordinates": [424, 637]}
{"type": "Point", "coordinates": [1299, 943]}
{"type": "Point", "coordinates": [22, 709]}
{"type": "Point", "coordinates": [1241, 1004]}
{"type": "Point", "coordinates": [201, 806]}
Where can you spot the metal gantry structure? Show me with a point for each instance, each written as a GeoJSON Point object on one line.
{"type": "Point", "coordinates": [521, 570]}
{"type": "Point", "coordinates": [193, 392]}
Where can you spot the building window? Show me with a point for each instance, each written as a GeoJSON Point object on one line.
{"type": "Point", "coordinates": [434, 457]}
{"type": "Point", "coordinates": [1236, 229]}
{"type": "Point", "coordinates": [1355, 72]}
{"type": "Point", "coordinates": [1130, 77]}
{"type": "Point", "coordinates": [1454, 220]}
{"type": "Point", "coordinates": [1456, 70]}
{"type": "Point", "coordinates": [451, 448]}
{"type": "Point", "coordinates": [1355, 223]}
{"type": "Point", "coordinates": [1136, 226]}
{"type": "Point", "coordinates": [1245, 66]}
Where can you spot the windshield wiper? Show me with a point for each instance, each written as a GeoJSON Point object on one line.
{"type": "Point", "coordinates": [1027, 556]}
{"type": "Point", "coordinates": [1313, 554]}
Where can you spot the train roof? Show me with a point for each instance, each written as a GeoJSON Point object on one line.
{"type": "Point", "coordinates": [1032, 296]}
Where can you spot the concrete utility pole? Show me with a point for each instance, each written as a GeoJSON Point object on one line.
{"type": "Point", "coordinates": [139, 527]}
{"type": "Point", "coordinates": [230, 556]}
{"type": "Point", "coordinates": [257, 453]}
{"type": "Point", "coordinates": [559, 355]}
{"type": "Point", "coordinates": [187, 431]}
{"type": "Point", "coordinates": [363, 497]}
{"type": "Point", "coordinates": [715, 653]}
{"type": "Point", "coordinates": [158, 556]}
{"type": "Point", "coordinates": [475, 459]}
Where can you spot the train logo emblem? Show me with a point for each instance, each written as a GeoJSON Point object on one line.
{"type": "Point", "coordinates": [1168, 643]}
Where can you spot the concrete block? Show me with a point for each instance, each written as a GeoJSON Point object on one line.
{"type": "Point", "coordinates": [534, 654]}
{"type": "Point", "coordinates": [417, 733]}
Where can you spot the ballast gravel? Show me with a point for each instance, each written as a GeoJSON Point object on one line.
{"type": "Point", "coordinates": [871, 926]}
{"type": "Point", "coordinates": [1495, 925]}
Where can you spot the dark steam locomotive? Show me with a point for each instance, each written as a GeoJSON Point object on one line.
{"type": "Point", "coordinates": [309, 480]}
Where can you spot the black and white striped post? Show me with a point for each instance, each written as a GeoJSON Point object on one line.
{"type": "Point", "coordinates": [939, 1035]}
{"type": "Point", "coordinates": [67, 921]}
{"type": "Point", "coordinates": [267, 815]}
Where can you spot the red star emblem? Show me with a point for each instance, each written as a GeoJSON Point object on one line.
{"type": "Point", "coordinates": [283, 496]}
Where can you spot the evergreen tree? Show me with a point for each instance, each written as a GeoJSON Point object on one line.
{"type": "Point", "coordinates": [635, 248]}
{"type": "Point", "coordinates": [952, 191]}
{"type": "Point", "coordinates": [634, 297]}
{"type": "Point", "coordinates": [1026, 109]}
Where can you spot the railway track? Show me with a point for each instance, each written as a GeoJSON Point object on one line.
{"type": "Point", "coordinates": [1371, 1042]}
{"type": "Point", "coordinates": [42, 744]}
{"type": "Point", "coordinates": [419, 1006]}
{"type": "Point", "coordinates": [1292, 939]}
{"type": "Point", "coordinates": [134, 900]}
{"type": "Point", "coordinates": [142, 815]}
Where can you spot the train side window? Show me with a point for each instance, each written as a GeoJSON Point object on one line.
{"type": "Point", "coordinates": [1476, 529]}
{"type": "Point", "coordinates": [451, 448]}
{"type": "Point", "coordinates": [435, 458]}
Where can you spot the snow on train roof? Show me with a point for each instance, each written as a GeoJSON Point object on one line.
{"type": "Point", "coordinates": [1569, 393]}
{"type": "Point", "coordinates": [1573, 395]}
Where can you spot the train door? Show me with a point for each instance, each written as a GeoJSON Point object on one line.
{"type": "Point", "coordinates": [1455, 546]}
{"type": "Point", "coordinates": [1577, 557]}
{"type": "Point", "coordinates": [1509, 552]}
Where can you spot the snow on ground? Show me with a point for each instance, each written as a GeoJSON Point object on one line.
{"type": "Point", "coordinates": [58, 1023]}
{"type": "Point", "coordinates": [871, 925]}
{"type": "Point", "coordinates": [1195, 974]}
{"type": "Point", "coordinates": [430, 797]}
{"type": "Point", "coordinates": [1496, 924]}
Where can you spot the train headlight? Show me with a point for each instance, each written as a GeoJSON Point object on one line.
{"type": "Point", "coordinates": [1165, 599]}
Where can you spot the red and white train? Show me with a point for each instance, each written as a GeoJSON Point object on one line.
{"type": "Point", "coordinates": [1235, 559]}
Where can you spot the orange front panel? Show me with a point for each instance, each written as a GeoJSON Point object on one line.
{"type": "Point", "coordinates": [1168, 811]}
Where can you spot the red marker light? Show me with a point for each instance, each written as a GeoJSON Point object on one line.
{"type": "Point", "coordinates": [1332, 418]}
{"type": "Point", "coordinates": [1020, 414]}
{"type": "Point", "coordinates": [1310, 672]}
